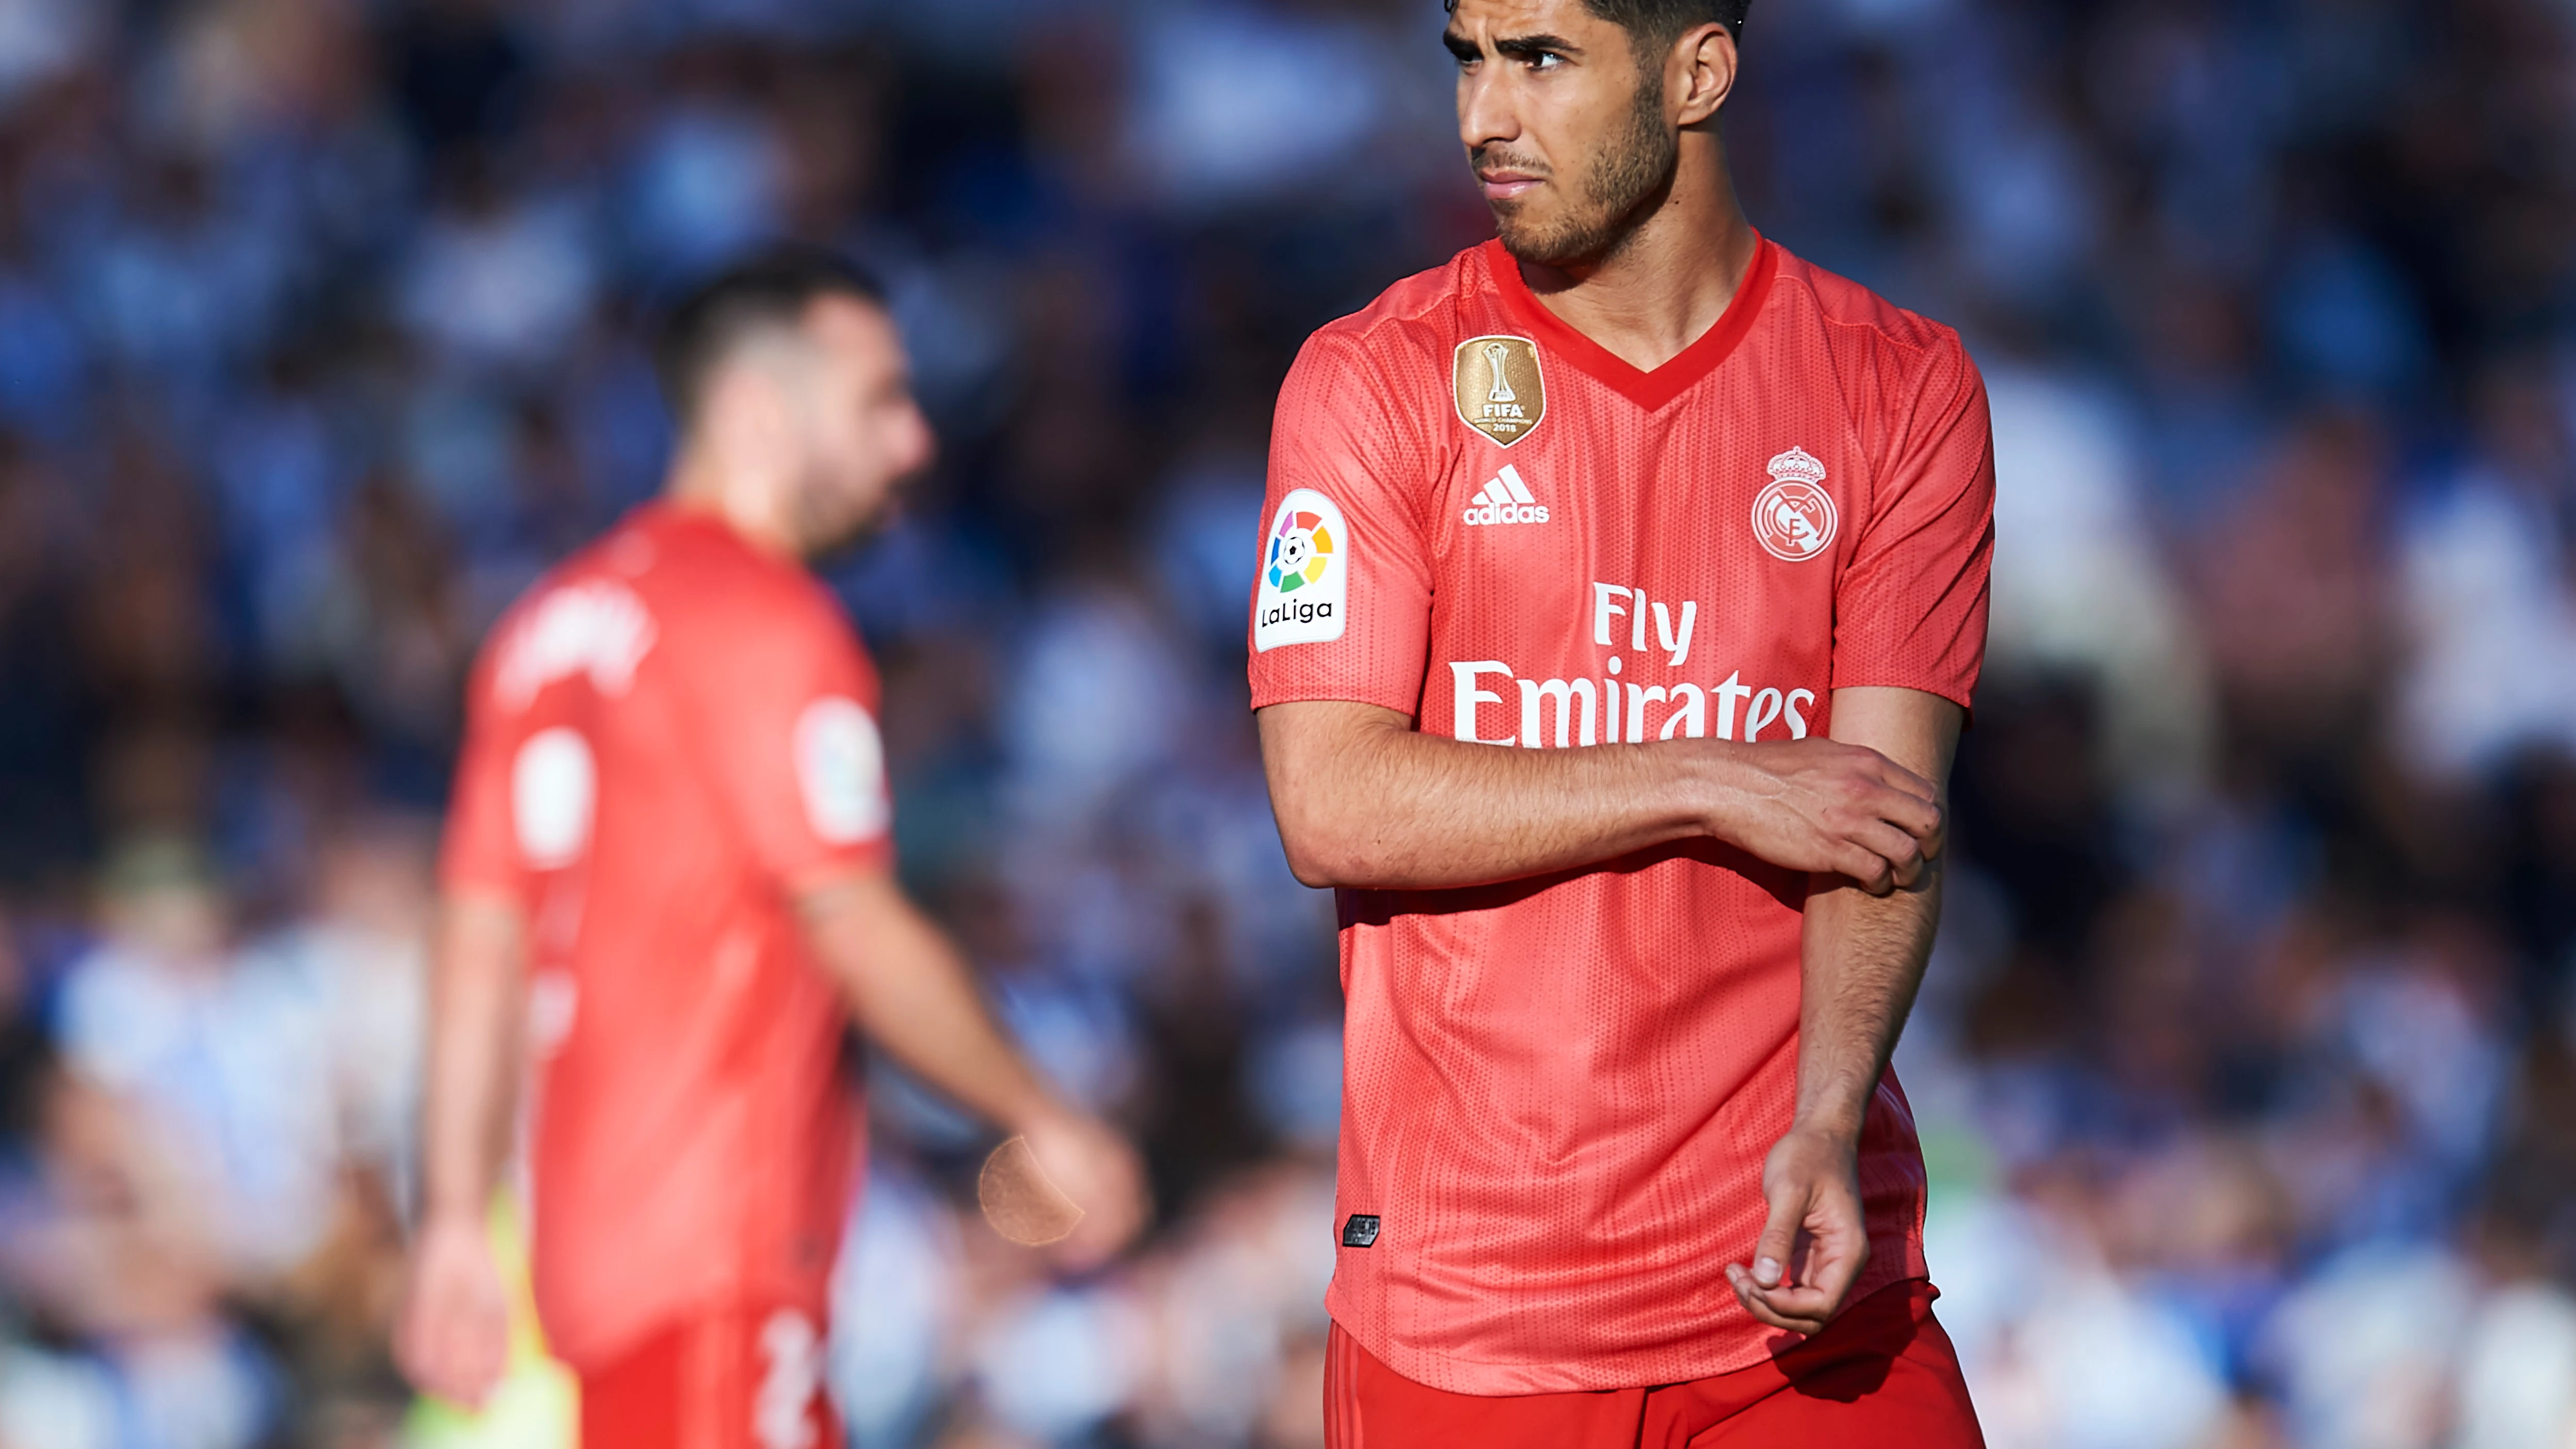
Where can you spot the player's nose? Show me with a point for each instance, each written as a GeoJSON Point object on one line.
{"type": "Point", "coordinates": [920, 444]}
{"type": "Point", "coordinates": [1485, 113]}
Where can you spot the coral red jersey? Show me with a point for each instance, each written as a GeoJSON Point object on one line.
{"type": "Point", "coordinates": [667, 737]}
{"type": "Point", "coordinates": [1558, 1092]}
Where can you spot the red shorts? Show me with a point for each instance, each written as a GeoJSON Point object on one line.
{"type": "Point", "coordinates": [1882, 1374]}
{"type": "Point", "coordinates": [743, 1379]}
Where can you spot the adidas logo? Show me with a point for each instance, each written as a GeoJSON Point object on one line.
{"type": "Point", "coordinates": [1505, 499]}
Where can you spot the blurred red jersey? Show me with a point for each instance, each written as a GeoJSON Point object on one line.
{"type": "Point", "coordinates": [667, 737]}
{"type": "Point", "coordinates": [1559, 1091]}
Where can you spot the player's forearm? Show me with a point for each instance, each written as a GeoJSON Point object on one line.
{"type": "Point", "coordinates": [1861, 956]}
{"type": "Point", "coordinates": [477, 992]}
{"type": "Point", "coordinates": [1382, 806]}
{"type": "Point", "coordinates": [914, 996]}
{"type": "Point", "coordinates": [1364, 800]}
{"type": "Point", "coordinates": [1861, 960]}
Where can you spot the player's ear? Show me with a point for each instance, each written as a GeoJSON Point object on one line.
{"type": "Point", "coordinates": [744, 416]}
{"type": "Point", "coordinates": [1707, 62]}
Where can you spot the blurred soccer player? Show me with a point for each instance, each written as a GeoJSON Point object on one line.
{"type": "Point", "coordinates": [669, 841]}
{"type": "Point", "coordinates": [1621, 1159]}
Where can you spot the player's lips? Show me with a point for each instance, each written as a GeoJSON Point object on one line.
{"type": "Point", "coordinates": [1504, 185]}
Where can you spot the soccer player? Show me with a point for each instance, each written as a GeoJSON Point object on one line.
{"type": "Point", "coordinates": [669, 842]}
{"type": "Point", "coordinates": [1623, 588]}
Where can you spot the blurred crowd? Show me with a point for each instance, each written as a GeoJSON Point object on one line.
{"type": "Point", "coordinates": [2247, 1061]}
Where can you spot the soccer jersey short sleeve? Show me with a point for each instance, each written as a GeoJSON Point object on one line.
{"type": "Point", "coordinates": [1342, 605]}
{"type": "Point", "coordinates": [791, 738]}
{"type": "Point", "coordinates": [479, 854]}
{"type": "Point", "coordinates": [1910, 608]}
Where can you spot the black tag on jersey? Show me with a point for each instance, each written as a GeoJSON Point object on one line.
{"type": "Point", "coordinates": [1360, 1231]}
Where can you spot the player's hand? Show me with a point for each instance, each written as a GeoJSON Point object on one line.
{"type": "Point", "coordinates": [1820, 805]}
{"type": "Point", "coordinates": [453, 1334]}
{"type": "Point", "coordinates": [1096, 1168]}
{"type": "Point", "coordinates": [1812, 1248]}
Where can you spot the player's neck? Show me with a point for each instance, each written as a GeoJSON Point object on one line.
{"type": "Point", "coordinates": [700, 486]}
{"type": "Point", "coordinates": [1670, 281]}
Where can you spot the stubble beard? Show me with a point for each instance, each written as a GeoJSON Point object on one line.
{"type": "Point", "coordinates": [834, 530]}
{"type": "Point", "coordinates": [1617, 195]}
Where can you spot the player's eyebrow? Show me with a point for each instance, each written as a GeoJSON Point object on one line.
{"type": "Point", "coordinates": [1530, 47]}
{"type": "Point", "coordinates": [1517, 47]}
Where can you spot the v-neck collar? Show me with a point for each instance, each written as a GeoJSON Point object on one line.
{"type": "Point", "coordinates": [1648, 390]}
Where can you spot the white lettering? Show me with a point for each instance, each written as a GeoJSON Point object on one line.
{"type": "Point", "coordinates": [1602, 609]}
{"type": "Point", "coordinates": [599, 628]}
{"type": "Point", "coordinates": [1468, 696]}
{"type": "Point", "coordinates": [1797, 721]}
{"type": "Point", "coordinates": [1727, 694]}
{"type": "Point", "coordinates": [1692, 718]}
{"type": "Point", "coordinates": [554, 788]}
{"type": "Point", "coordinates": [1680, 648]}
{"type": "Point", "coordinates": [1494, 513]}
{"type": "Point", "coordinates": [1532, 692]}
{"type": "Point", "coordinates": [782, 1408]}
{"type": "Point", "coordinates": [1601, 709]}
{"type": "Point", "coordinates": [1637, 623]}
{"type": "Point", "coordinates": [1764, 710]}
{"type": "Point", "coordinates": [1638, 694]}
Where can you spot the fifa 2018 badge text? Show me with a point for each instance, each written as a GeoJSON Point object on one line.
{"type": "Point", "coordinates": [1613, 710]}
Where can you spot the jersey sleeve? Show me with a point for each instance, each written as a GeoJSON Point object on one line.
{"type": "Point", "coordinates": [1910, 607]}
{"type": "Point", "coordinates": [1341, 602]}
{"type": "Point", "coordinates": [788, 726]}
{"type": "Point", "coordinates": [479, 850]}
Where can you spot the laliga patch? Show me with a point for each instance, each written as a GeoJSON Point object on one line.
{"type": "Point", "coordinates": [840, 767]}
{"type": "Point", "coordinates": [1304, 595]}
{"type": "Point", "coordinates": [1794, 518]}
{"type": "Point", "coordinates": [1500, 391]}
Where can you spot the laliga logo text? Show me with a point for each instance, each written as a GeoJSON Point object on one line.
{"type": "Point", "coordinates": [1288, 611]}
{"type": "Point", "coordinates": [1609, 710]}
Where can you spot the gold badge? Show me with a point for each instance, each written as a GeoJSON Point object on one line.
{"type": "Point", "coordinates": [1500, 392]}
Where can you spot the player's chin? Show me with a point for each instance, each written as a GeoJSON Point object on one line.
{"type": "Point", "coordinates": [1538, 240]}
{"type": "Point", "coordinates": [848, 535]}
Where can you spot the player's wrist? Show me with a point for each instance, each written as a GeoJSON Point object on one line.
{"type": "Point", "coordinates": [1718, 785]}
{"type": "Point", "coordinates": [450, 1212]}
{"type": "Point", "coordinates": [1832, 1125]}
{"type": "Point", "coordinates": [1042, 1115]}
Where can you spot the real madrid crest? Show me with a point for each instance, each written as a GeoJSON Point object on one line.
{"type": "Point", "coordinates": [1794, 517]}
{"type": "Point", "coordinates": [1500, 392]}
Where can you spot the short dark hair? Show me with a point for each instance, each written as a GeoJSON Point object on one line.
{"type": "Point", "coordinates": [1661, 22]}
{"type": "Point", "coordinates": [772, 288]}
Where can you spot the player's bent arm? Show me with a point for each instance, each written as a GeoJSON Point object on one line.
{"type": "Point", "coordinates": [914, 995]}
{"type": "Point", "coordinates": [1365, 800]}
{"type": "Point", "coordinates": [1861, 959]}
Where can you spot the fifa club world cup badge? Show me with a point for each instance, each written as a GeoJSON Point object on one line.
{"type": "Point", "coordinates": [1794, 517]}
{"type": "Point", "coordinates": [1500, 392]}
